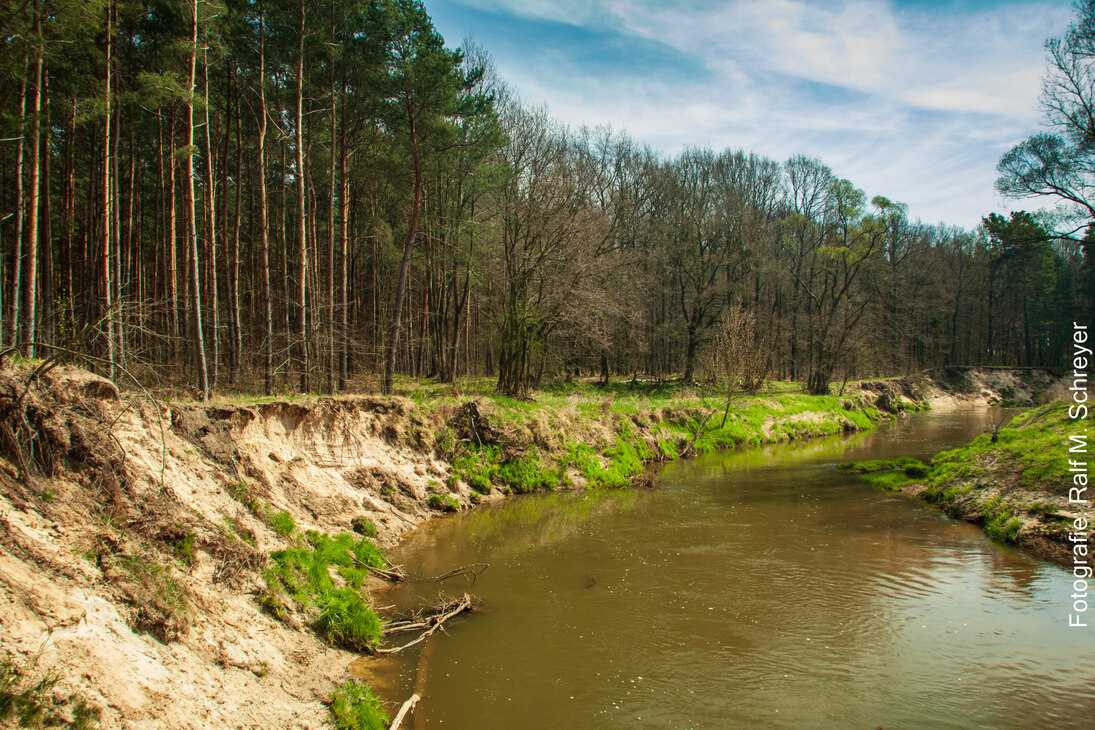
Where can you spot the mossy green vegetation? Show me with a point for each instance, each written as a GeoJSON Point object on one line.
{"type": "Point", "coordinates": [1001, 523]}
{"type": "Point", "coordinates": [604, 436]}
{"type": "Point", "coordinates": [442, 502]}
{"type": "Point", "coordinates": [363, 526]}
{"type": "Point", "coordinates": [912, 467]}
{"type": "Point", "coordinates": [354, 706]}
{"type": "Point", "coordinates": [889, 481]}
{"type": "Point", "coordinates": [322, 576]}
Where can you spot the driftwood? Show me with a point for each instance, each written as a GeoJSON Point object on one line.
{"type": "Point", "coordinates": [392, 574]}
{"type": "Point", "coordinates": [429, 624]}
{"type": "Point", "coordinates": [404, 711]}
{"type": "Point", "coordinates": [471, 572]}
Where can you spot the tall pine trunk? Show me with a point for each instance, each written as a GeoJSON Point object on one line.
{"type": "Point", "coordinates": [264, 214]}
{"type": "Point", "coordinates": [191, 221]}
{"type": "Point", "coordinates": [20, 205]}
{"type": "Point", "coordinates": [404, 268]}
{"type": "Point", "coordinates": [30, 287]}
{"type": "Point", "coordinates": [108, 300]}
{"type": "Point", "coordinates": [302, 221]}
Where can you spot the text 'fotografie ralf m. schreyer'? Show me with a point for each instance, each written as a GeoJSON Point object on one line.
{"type": "Point", "coordinates": [1078, 499]}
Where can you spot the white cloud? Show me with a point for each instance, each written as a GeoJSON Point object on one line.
{"type": "Point", "coordinates": [979, 62]}
{"type": "Point", "coordinates": [915, 105]}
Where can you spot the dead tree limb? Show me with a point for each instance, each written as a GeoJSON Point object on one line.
{"type": "Point", "coordinates": [690, 449]}
{"type": "Point", "coordinates": [392, 574]}
{"type": "Point", "coordinates": [404, 711]}
{"type": "Point", "coordinates": [432, 624]}
{"type": "Point", "coordinates": [470, 571]}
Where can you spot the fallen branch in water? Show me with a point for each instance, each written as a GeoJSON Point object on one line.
{"type": "Point", "coordinates": [471, 572]}
{"type": "Point", "coordinates": [427, 624]}
{"type": "Point", "coordinates": [392, 574]}
{"type": "Point", "coordinates": [404, 711]}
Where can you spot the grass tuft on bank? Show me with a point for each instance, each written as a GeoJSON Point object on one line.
{"type": "Point", "coordinates": [354, 706]}
{"type": "Point", "coordinates": [322, 577]}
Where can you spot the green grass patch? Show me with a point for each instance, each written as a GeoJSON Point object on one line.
{"type": "Point", "coordinates": [528, 473]}
{"type": "Point", "coordinates": [911, 467]}
{"type": "Point", "coordinates": [354, 706]}
{"type": "Point", "coordinates": [302, 578]}
{"type": "Point", "coordinates": [1001, 523]}
{"type": "Point", "coordinates": [283, 523]}
{"type": "Point", "coordinates": [443, 502]}
{"type": "Point", "coordinates": [890, 481]}
{"type": "Point", "coordinates": [363, 526]}
{"type": "Point", "coordinates": [186, 548]}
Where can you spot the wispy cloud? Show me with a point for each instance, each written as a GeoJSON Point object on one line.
{"type": "Point", "coordinates": [915, 101]}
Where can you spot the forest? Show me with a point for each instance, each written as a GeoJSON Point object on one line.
{"type": "Point", "coordinates": [287, 196]}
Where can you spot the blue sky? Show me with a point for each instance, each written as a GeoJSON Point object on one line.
{"type": "Point", "coordinates": [912, 99]}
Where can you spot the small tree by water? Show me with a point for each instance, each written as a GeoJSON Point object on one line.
{"type": "Point", "coordinates": [737, 359]}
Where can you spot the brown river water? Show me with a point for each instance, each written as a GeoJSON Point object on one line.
{"type": "Point", "coordinates": [759, 588]}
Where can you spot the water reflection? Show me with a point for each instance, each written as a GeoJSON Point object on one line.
{"type": "Point", "coordinates": [754, 589]}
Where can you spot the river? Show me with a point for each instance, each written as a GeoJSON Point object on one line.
{"type": "Point", "coordinates": [756, 588]}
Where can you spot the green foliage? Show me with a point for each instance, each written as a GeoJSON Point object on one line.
{"type": "Point", "coordinates": [527, 473]}
{"type": "Point", "coordinates": [1041, 508]}
{"type": "Point", "coordinates": [354, 706]}
{"type": "Point", "coordinates": [283, 523]}
{"type": "Point", "coordinates": [29, 698]}
{"type": "Point", "coordinates": [890, 481]}
{"type": "Point", "coordinates": [303, 574]}
{"type": "Point", "coordinates": [911, 467]}
{"type": "Point", "coordinates": [1001, 523]}
{"type": "Point", "coordinates": [477, 467]}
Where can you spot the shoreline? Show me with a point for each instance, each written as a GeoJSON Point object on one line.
{"type": "Point", "coordinates": [137, 562]}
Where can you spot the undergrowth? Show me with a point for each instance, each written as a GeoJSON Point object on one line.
{"type": "Point", "coordinates": [567, 436]}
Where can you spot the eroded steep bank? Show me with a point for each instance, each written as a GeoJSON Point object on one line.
{"type": "Point", "coordinates": [132, 561]}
